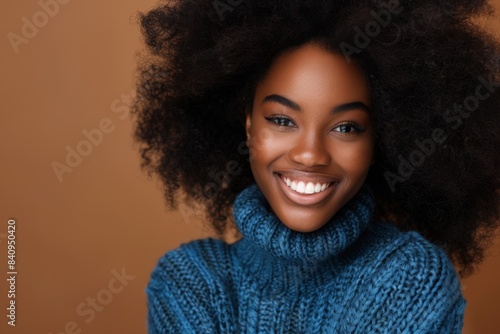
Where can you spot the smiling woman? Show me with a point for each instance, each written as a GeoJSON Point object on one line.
{"type": "Point", "coordinates": [318, 148]}
{"type": "Point", "coordinates": [324, 243]}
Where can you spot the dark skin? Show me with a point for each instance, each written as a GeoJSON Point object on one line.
{"type": "Point", "coordinates": [310, 135]}
{"type": "Point", "coordinates": [200, 81]}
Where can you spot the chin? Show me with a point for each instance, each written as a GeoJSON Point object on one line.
{"type": "Point", "coordinates": [304, 225]}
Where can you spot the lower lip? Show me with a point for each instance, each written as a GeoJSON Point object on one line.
{"type": "Point", "coordinates": [305, 199]}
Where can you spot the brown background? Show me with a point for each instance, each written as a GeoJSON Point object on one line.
{"type": "Point", "coordinates": [105, 215]}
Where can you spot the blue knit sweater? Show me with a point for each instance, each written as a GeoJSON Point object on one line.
{"type": "Point", "coordinates": [353, 275]}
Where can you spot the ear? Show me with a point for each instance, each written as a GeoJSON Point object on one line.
{"type": "Point", "coordinates": [248, 125]}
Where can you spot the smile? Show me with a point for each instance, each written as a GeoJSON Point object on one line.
{"type": "Point", "coordinates": [304, 187]}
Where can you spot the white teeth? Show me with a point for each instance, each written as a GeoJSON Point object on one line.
{"type": "Point", "coordinates": [309, 188]}
{"type": "Point", "coordinates": [305, 188]}
{"type": "Point", "coordinates": [301, 187]}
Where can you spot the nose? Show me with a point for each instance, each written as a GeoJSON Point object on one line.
{"type": "Point", "coordinates": [310, 150]}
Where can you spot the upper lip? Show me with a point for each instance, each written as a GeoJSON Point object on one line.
{"type": "Point", "coordinates": [299, 175]}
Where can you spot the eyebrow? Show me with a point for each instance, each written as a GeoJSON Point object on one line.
{"type": "Point", "coordinates": [338, 109]}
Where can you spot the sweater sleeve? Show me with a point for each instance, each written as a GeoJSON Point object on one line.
{"type": "Point", "coordinates": [175, 300]}
{"type": "Point", "coordinates": [414, 289]}
{"type": "Point", "coordinates": [453, 321]}
{"type": "Point", "coordinates": [185, 295]}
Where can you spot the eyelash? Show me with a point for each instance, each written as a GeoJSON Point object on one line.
{"type": "Point", "coordinates": [279, 120]}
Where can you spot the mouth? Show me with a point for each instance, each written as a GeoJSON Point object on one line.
{"type": "Point", "coordinates": [306, 189]}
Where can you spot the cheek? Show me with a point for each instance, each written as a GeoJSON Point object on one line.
{"type": "Point", "coordinates": [264, 144]}
{"type": "Point", "coordinates": [354, 158]}
{"type": "Point", "coordinates": [260, 138]}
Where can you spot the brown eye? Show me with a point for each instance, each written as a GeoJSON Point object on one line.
{"type": "Point", "coordinates": [280, 121]}
{"type": "Point", "coordinates": [349, 128]}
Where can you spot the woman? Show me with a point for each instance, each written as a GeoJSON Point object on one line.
{"type": "Point", "coordinates": [350, 144]}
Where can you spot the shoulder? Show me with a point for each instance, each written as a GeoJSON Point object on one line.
{"type": "Point", "coordinates": [197, 259]}
{"type": "Point", "coordinates": [409, 256]}
{"type": "Point", "coordinates": [184, 291]}
{"type": "Point", "coordinates": [407, 250]}
{"type": "Point", "coordinates": [409, 283]}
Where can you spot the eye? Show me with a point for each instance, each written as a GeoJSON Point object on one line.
{"type": "Point", "coordinates": [280, 121]}
{"type": "Point", "coordinates": [348, 128]}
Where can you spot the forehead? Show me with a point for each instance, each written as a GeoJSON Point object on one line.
{"type": "Point", "coordinates": [312, 71]}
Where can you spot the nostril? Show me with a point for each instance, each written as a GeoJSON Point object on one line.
{"type": "Point", "coordinates": [310, 154]}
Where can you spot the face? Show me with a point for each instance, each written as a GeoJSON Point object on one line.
{"type": "Point", "coordinates": [310, 135]}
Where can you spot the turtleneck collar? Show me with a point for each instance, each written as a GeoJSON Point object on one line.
{"type": "Point", "coordinates": [269, 245]}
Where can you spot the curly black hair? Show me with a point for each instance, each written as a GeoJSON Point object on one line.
{"type": "Point", "coordinates": [434, 75]}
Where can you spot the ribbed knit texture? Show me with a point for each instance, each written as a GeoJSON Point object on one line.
{"type": "Point", "coordinates": [353, 275]}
